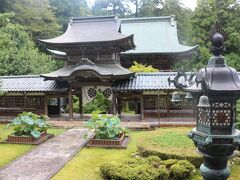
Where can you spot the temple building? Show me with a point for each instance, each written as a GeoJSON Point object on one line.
{"type": "Point", "coordinates": [97, 52]}
{"type": "Point", "coordinates": [156, 42]}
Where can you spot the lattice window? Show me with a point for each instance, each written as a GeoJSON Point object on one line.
{"type": "Point", "coordinates": [107, 92]}
{"type": "Point", "coordinates": [203, 116]}
{"type": "Point", "coordinates": [221, 113]}
{"type": "Point", "coordinates": [92, 92]}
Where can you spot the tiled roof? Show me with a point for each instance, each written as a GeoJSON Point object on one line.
{"type": "Point", "coordinates": [103, 70]}
{"type": "Point", "coordinates": [29, 83]}
{"type": "Point", "coordinates": [146, 81]}
{"type": "Point", "coordinates": [93, 29]}
{"type": "Point", "coordinates": [156, 35]}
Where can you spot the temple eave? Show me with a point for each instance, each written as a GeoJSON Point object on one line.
{"type": "Point", "coordinates": [126, 42]}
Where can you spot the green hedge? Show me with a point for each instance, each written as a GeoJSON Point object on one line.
{"type": "Point", "coordinates": [166, 153]}
{"type": "Point", "coordinates": [150, 168]}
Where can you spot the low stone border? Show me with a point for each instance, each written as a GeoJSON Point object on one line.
{"type": "Point", "coordinates": [123, 145]}
{"type": "Point", "coordinates": [37, 142]}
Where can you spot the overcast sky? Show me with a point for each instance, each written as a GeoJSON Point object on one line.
{"type": "Point", "coordinates": [188, 3]}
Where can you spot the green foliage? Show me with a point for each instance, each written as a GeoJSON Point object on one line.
{"type": "Point", "coordinates": [105, 127]}
{"type": "Point", "coordinates": [29, 124]}
{"type": "Point", "coordinates": [166, 153]}
{"type": "Point", "coordinates": [181, 170]}
{"type": "Point", "coordinates": [18, 55]}
{"type": "Point", "coordinates": [146, 169]}
{"type": "Point", "coordinates": [110, 7]}
{"type": "Point", "coordinates": [226, 13]}
{"type": "Point", "coordinates": [137, 67]}
{"type": "Point", "coordinates": [69, 8]}
{"type": "Point", "coordinates": [36, 16]}
{"type": "Point", "coordinates": [99, 103]}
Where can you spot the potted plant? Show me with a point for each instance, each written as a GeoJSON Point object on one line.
{"type": "Point", "coordinates": [28, 127]}
{"type": "Point", "coordinates": [107, 129]}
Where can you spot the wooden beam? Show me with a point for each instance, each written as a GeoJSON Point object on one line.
{"type": "Point", "coordinates": [142, 107]}
{"type": "Point", "coordinates": [70, 104]}
{"type": "Point", "coordinates": [159, 115]}
{"type": "Point", "coordinates": [114, 103]}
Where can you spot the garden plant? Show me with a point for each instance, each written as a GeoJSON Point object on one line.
{"type": "Point", "coordinates": [105, 126]}
{"type": "Point", "coordinates": [29, 124]}
{"type": "Point", "coordinates": [99, 103]}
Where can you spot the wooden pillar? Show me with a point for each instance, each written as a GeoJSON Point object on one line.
{"type": "Point", "coordinates": [46, 105]}
{"type": "Point", "coordinates": [25, 101]}
{"type": "Point", "coordinates": [158, 103]}
{"type": "Point", "coordinates": [70, 104]}
{"type": "Point", "coordinates": [167, 102]}
{"type": "Point", "coordinates": [136, 106]}
{"type": "Point", "coordinates": [114, 103]}
{"type": "Point", "coordinates": [142, 107]}
{"type": "Point", "coordinates": [80, 103]}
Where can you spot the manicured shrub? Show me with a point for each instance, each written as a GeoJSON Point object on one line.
{"type": "Point", "coordinates": [150, 168]}
{"type": "Point", "coordinates": [154, 161]}
{"type": "Point", "coordinates": [181, 170]}
{"type": "Point", "coordinates": [165, 154]}
{"type": "Point", "coordinates": [126, 172]}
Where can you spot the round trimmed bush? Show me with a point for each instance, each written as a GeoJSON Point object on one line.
{"type": "Point", "coordinates": [150, 168]}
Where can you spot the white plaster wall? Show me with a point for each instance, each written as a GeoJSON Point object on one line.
{"type": "Point", "coordinates": [85, 95]}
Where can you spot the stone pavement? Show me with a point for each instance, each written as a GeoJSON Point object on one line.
{"type": "Point", "coordinates": [48, 158]}
{"type": "Point", "coordinates": [72, 124]}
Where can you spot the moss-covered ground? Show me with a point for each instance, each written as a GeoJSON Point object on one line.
{"type": "Point", "coordinates": [10, 152]}
{"type": "Point", "coordinates": [85, 165]}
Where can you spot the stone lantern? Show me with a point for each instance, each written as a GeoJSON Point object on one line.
{"type": "Point", "coordinates": [218, 88]}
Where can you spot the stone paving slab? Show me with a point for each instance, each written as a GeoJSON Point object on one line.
{"type": "Point", "coordinates": [48, 158]}
{"type": "Point", "coordinates": [71, 124]}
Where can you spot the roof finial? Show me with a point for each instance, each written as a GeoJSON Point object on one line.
{"type": "Point", "coordinates": [217, 36]}
{"type": "Point", "coordinates": [172, 20]}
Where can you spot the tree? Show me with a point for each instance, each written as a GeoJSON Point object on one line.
{"type": "Point", "coordinates": [111, 7]}
{"type": "Point", "coordinates": [150, 8]}
{"type": "Point", "coordinates": [64, 9]}
{"type": "Point", "coordinates": [182, 15]}
{"type": "Point", "coordinates": [18, 55]}
{"type": "Point", "coordinates": [137, 67]}
{"type": "Point", "coordinates": [207, 13]}
{"type": "Point", "coordinates": [36, 16]}
{"type": "Point", "coordinates": [4, 5]}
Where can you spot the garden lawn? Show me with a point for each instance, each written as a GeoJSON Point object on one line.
{"type": "Point", "coordinates": [85, 165]}
{"type": "Point", "coordinates": [10, 152]}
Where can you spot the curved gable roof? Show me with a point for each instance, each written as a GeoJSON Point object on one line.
{"type": "Point", "coordinates": [157, 35]}
{"type": "Point", "coordinates": [90, 30]}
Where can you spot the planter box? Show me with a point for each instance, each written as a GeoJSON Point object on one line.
{"type": "Point", "coordinates": [26, 139]}
{"type": "Point", "coordinates": [121, 142]}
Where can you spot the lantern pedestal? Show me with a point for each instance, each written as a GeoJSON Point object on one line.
{"type": "Point", "coordinates": [216, 150]}
{"type": "Point", "coordinates": [214, 168]}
